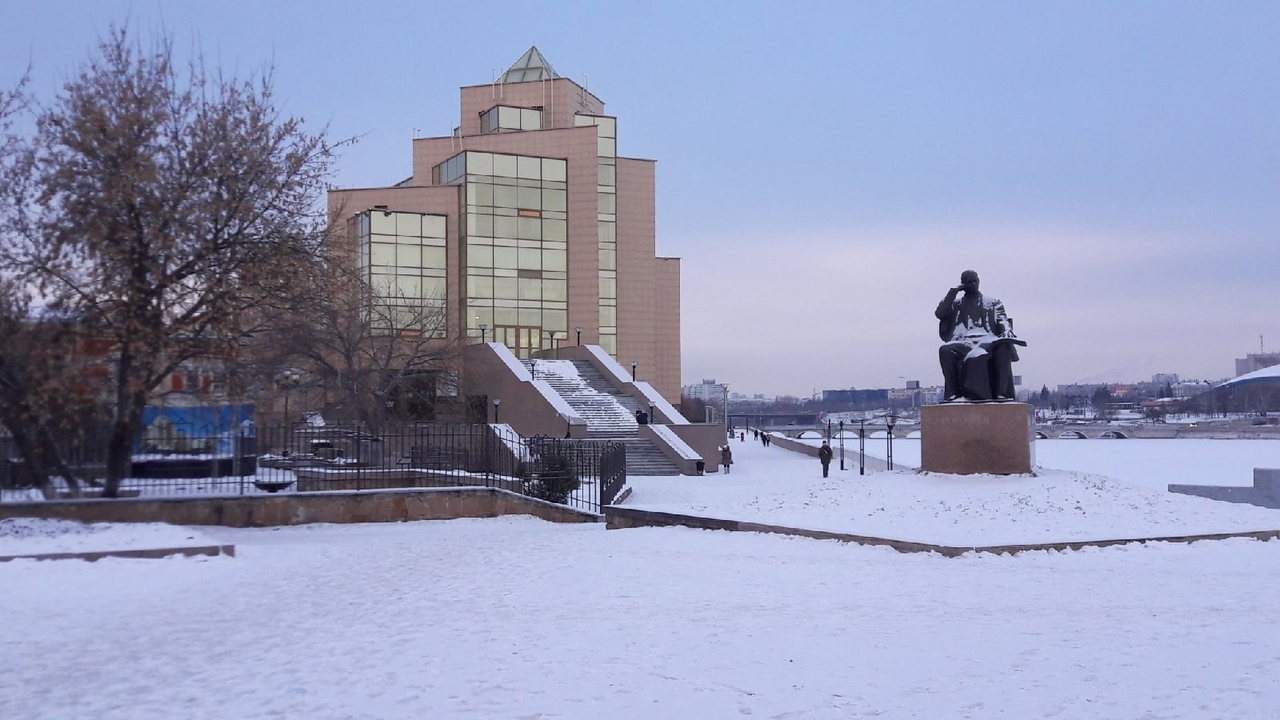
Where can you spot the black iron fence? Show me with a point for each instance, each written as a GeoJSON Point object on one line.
{"type": "Point", "coordinates": [276, 459]}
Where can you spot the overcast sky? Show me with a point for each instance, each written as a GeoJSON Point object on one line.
{"type": "Point", "coordinates": [827, 170]}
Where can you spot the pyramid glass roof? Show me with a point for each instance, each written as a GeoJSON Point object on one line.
{"type": "Point", "coordinates": [530, 66]}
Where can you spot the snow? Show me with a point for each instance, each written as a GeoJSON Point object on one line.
{"type": "Point", "coordinates": [509, 359]}
{"type": "Point", "coordinates": [553, 398]}
{"type": "Point", "coordinates": [609, 367]}
{"type": "Point", "coordinates": [1075, 503]}
{"type": "Point", "coordinates": [30, 536]}
{"type": "Point", "coordinates": [674, 442]}
{"type": "Point", "coordinates": [654, 398]}
{"type": "Point", "coordinates": [514, 617]}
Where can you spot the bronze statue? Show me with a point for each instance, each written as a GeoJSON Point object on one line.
{"type": "Point", "coordinates": [979, 347]}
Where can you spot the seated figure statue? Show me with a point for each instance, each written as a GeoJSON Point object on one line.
{"type": "Point", "coordinates": [979, 346]}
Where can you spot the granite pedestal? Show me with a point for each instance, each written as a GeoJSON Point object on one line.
{"type": "Point", "coordinates": [964, 439]}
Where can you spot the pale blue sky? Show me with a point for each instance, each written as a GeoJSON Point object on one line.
{"type": "Point", "coordinates": [827, 170]}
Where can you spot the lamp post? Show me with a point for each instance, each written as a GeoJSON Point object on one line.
{"type": "Point", "coordinates": [862, 446]}
{"type": "Point", "coordinates": [496, 403]}
{"type": "Point", "coordinates": [551, 338]}
{"type": "Point", "coordinates": [289, 379]}
{"type": "Point", "coordinates": [890, 421]}
{"type": "Point", "coordinates": [726, 408]}
{"type": "Point", "coordinates": [483, 328]}
{"type": "Point", "coordinates": [633, 370]}
{"type": "Point", "coordinates": [650, 414]}
{"type": "Point", "coordinates": [579, 331]}
{"type": "Point", "coordinates": [842, 445]}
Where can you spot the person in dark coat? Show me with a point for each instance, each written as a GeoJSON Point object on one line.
{"type": "Point", "coordinates": [824, 456]}
{"type": "Point", "coordinates": [726, 458]}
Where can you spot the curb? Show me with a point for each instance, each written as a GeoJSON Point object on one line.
{"type": "Point", "coordinates": [151, 553]}
{"type": "Point", "coordinates": [617, 518]}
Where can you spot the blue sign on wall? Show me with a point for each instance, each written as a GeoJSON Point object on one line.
{"type": "Point", "coordinates": [195, 429]}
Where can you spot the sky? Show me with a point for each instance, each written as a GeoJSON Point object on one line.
{"type": "Point", "coordinates": [516, 617]}
{"type": "Point", "coordinates": [827, 170]}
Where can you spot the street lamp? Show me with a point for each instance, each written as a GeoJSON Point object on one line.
{"type": "Point", "coordinates": [862, 446]}
{"type": "Point", "coordinates": [726, 407]}
{"type": "Point", "coordinates": [483, 327]}
{"type": "Point", "coordinates": [890, 421]}
{"type": "Point", "coordinates": [496, 403]}
{"type": "Point", "coordinates": [551, 338]}
{"type": "Point", "coordinates": [579, 330]}
{"type": "Point", "coordinates": [633, 370]}
{"type": "Point", "coordinates": [842, 444]}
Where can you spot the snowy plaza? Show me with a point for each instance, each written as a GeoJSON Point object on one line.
{"type": "Point", "coordinates": [513, 617]}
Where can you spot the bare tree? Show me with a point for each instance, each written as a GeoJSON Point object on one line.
{"type": "Point", "coordinates": [165, 202]}
{"type": "Point", "coordinates": [384, 355]}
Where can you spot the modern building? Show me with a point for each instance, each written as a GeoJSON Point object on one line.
{"type": "Point", "coordinates": [529, 227]}
{"type": "Point", "coordinates": [1253, 362]}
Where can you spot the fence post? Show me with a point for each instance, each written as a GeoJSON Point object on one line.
{"type": "Point", "coordinates": [237, 449]}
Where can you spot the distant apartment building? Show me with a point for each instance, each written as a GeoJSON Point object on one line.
{"type": "Point", "coordinates": [529, 227]}
{"type": "Point", "coordinates": [856, 397]}
{"type": "Point", "coordinates": [707, 390]}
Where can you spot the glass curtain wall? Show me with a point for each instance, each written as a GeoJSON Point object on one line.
{"type": "Point", "coordinates": [607, 224]}
{"type": "Point", "coordinates": [514, 246]}
{"type": "Point", "coordinates": [402, 261]}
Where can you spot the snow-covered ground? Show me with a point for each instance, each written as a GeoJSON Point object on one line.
{"type": "Point", "coordinates": [518, 618]}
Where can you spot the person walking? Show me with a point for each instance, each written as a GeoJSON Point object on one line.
{"type": "Point", "coordinates": [726, 458]}
{"type": "Point", "coordinates": [824, 456]}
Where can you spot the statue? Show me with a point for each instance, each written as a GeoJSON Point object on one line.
{"type": "Point", "coordinates": [979, 347]}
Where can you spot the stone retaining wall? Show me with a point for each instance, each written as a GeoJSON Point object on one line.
{"type": "Point", "coordinates": [397, 505]}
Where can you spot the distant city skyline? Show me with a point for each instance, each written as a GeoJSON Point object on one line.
{"type": "Point", "coordinates": [827, 170]}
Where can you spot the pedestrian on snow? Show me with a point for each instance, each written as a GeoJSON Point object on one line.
{"type": "Point", "coordinates": [824, 456]}
{"type": "Point", "coordinates": [726, 458]}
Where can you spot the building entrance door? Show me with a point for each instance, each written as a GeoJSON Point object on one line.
{"type": "Point", "coordinates": [522, 340]}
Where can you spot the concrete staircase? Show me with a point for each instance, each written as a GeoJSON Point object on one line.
{"type": "Point", "coordinates": [644, 458]}
{"type": "Point", "coordinates": [610, 414]}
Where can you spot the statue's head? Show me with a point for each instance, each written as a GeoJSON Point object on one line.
{"type": "Point", "coordinates": [969, 281]}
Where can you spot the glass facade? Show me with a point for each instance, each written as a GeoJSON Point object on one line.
{"type": "Point", "coordinates": [606, 223]}
{"type": "Point", "coordinates": [514, 228]}
{"type": "Point", "coordinates": [402, 260]}
{"type": "Point", "coordinates": [503, 118]}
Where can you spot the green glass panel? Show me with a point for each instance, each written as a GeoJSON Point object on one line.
{"type": "Point", "coordinates": [553, 170]}
{"type": "Point", "coordinates": [504, 165]}
{"type": "Point", "coordinates": [505, 288]}
{"type": "Point", "coordinates": [529, 259]}
{"type": "Point", "coordinates": [434, 258]}
{"type": "Point", "coordinates": [408, 224]}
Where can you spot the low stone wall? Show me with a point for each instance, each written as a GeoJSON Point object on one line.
{"type": "Point", "coordinates": [1265, 491]}
{"type": "Point", "coordinates": [617, 518]}
{"type": "Point", "coordinates": [302, 508]}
